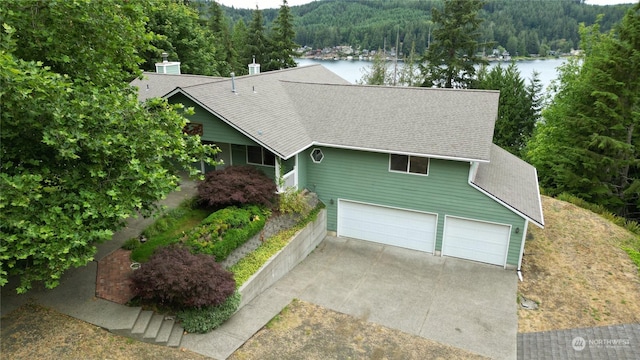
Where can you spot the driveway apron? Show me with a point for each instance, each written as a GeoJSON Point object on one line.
{"type": "Point", "coordinates": [465, 304]}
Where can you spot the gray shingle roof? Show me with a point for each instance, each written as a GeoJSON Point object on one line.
{"type": "Point", "coordinates": [157, 85]}
{"type": "Point", "coordinates": [287, 111]}
{"type": "Point", "coordinates": [261, 108]}
{"type": "Point", "coordinates": [440, 123]}
{"type": "Point", "coordinates": [513, 181]}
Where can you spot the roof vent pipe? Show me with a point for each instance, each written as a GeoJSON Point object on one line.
{"type": "Point", "coordinates": [165, 57]}
{"type": "Point", "coordinates": [233, 82]}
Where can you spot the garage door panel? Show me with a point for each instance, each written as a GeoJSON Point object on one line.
{"type": "Point", "coordinates": [476, 240]}
{"type": "Point", "coordinates": [397, 227]}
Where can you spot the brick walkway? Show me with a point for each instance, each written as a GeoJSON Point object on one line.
{"type": "Point", "coordinates": [112, 280]}
{"type": "Point", "coordinates": [618, 342]}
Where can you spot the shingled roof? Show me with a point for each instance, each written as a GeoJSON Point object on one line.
{"type": "Point", "coordinates": [513, 182]}
{"type": "Point", "coordinates": [157, 85]}
{"type": "Point", "coordinates": [287, 111]}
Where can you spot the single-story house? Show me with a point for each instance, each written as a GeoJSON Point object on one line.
{"type": "Point", "coordinates": [408, 167]}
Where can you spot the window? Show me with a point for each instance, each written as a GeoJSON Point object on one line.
{"type": "Point", "coordinates": [258, 155]}
{"type": "Point", "coordinates": [409, 164]}
{"type": "Point", "coordinates": [317, 155]}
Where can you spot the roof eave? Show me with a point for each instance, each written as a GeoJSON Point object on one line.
{"type": "Point", "coordinates": [226, 121]}
{"type": "Point", "coordinates": [510, 207]}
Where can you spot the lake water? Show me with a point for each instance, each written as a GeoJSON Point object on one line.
{"type": "Point", "coordinates": [353, 70]}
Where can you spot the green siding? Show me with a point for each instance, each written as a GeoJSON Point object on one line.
{"type": "Point", "coordinates": [303, 161]}
{"type": "Point", "coordinates": [214, 129]}
{"type": "Point", "coordinates": [364, 176]}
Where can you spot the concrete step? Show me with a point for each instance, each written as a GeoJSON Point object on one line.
{"type": "Point", "coordinates": [176, 336]}
{"type": "Point", "coordinates": [153, 328]}
{"type": "Point", "coordinates": [165, 330]}
{"type": "Point", "coordinates": [141, 324]}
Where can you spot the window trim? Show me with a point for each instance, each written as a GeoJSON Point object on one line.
{"type": "Point", "coordinates": [262, 156]}
{"type": "Point", "coordinates": [407, 170]}
{"type": "Point", "coordinates": [313, 159]}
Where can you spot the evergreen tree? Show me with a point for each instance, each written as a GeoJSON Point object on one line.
{"type": "Point", "coordinates": [239, 41]}
{"type": "Point", "coordinates": [519, 105]}
{"type": "Point", "coordinates": [410, 73]}
{"type": "Point", "coordinates": [282, 40]}
{"type": "Point", "coordinates": [257, 44]}
{"type": "Point", "coordinates": [589, 143]}
{"type": "Point", "coordinates": [226, 53]}
{"type": "Point", "coordinates": [378, 73]}
{"type": "Point", "coordinates": [452, 56]}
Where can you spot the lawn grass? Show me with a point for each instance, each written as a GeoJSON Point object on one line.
{"type": "Point", "coordinates": [631, 245]}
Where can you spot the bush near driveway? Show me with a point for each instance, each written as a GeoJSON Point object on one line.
{"type": "Point", "coordinates": [205, 319]}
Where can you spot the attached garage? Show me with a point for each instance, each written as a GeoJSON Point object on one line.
{"type": "Point", "coordinates": [476, 240]}
{"type": "Point", "coordinates": [391, 226]}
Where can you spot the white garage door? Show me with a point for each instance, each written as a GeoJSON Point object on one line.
{"type": "Point", "coordinates": [397, 227]}
{"type": "Point", "coordinates": [476, 240]}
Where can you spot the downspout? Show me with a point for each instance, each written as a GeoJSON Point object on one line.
{"type": "Point", "coordinates": [524, 238]}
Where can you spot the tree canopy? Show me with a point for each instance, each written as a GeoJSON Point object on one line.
{"type": "Point", "coordinates": [519, 105]}
{"type": "Point", "coordinates": [79, 152]}
{"type": "Point", "coordinates": [282, 40]}
{"type": "Point", "coordinates": [452, 57]}
{"type": "Point", "coordinates": [589, 144]}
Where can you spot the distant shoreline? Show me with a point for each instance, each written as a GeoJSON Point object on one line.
{"type": "Point", "coordinates": [390, 59]}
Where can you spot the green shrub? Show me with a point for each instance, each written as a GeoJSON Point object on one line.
{"type": "Point", "coordinates": [205, 319]}
{"type": "Point", "coordinates": [293, 201]}
{"type": "Point", "coordinates": [175, 222]}
{"type": "Point", "coordinates": [250, 264]}
{"type": "Point", "coordinates": [131, 244]}
{"type": "Point", "coordinates": [225, 230]}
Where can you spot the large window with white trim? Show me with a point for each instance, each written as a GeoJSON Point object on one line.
{"type": "Point", "coordinates": [257, 155]}
{"type": "Point", "coordinates": [409, 164]}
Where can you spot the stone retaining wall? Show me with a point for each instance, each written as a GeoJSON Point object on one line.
{"type": "Point", "coordinates": [302, 244]}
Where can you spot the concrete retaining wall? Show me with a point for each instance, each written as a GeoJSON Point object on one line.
{"type": "Point", "coordinates": [303, 242]}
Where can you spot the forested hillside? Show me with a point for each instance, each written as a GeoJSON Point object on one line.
{"type": "Point", "coordinates": [521, 27]}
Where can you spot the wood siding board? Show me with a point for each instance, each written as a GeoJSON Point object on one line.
{"type": "Point", "coordinates": [364, 176]}
{"type": "Point", "coordinates": [214, 128]}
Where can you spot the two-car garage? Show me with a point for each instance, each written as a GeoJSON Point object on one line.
{"type": "Point", "coordinates": [462, 238]}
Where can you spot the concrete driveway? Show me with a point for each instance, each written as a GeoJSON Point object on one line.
{"type": "Point", "coordinates": [469, 305]}
{"type": "Point", "coordinates": [464, 304]}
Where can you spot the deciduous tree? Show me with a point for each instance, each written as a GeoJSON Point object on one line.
{"type": "Point", "coordinates": [80, 153]}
